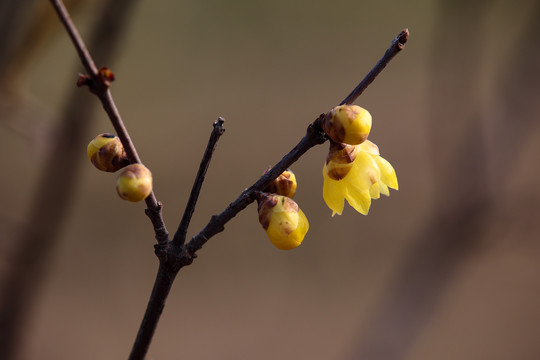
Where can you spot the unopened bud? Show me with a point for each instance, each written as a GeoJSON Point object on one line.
{"type": "Point", "coordinates": [134, 183]}
{"type": "Point", "coordinates": [106, 75]}
{"type": "Point", "coordinates": [285, 184]}
{"type": "Point", "coordinates": [348, 124]}
{"type": "Point", "coordinates": [285, 224]}
{"type": "Point", "coordinates": [340, 160]}
{"type": "Point", "coordinates": [106, 152]}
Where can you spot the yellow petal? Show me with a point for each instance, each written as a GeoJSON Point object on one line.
{"type": "Point", "coordinates": [333, 193]}
{"type": "Point", "coordinates": [369, 147]}
{"type": "Point", "coordinates": [383, 189]}
{"type": "Point", "coordinates": [388, 174]}
{"type": "Point", "coordinates": [359, 199]}
{"type": "Point", "coordinates": [374, 191]}
{"type": "Point", "coordinates": [287, 229]}
{"type": "Point", "coordinates": [364, 173]}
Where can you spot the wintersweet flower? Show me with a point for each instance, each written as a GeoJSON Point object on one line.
{"type": "Point", "coordinates": [349, 124]}
{"type": "Point", "coordinates": [357, 173]}
{"type": "Point", "coordinates": [283, 221]}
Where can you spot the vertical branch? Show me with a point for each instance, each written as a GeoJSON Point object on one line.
{"type": "Point", "coordinates": [218, 130]}
{"type": "Point", "coordinates": [162, 286]}
{"type": "Point", "coordinates": [76, 38]}
{"type": "Point", "coordinates": [101, 88]}
{"type": "Point", "coordinates": [53, 193]}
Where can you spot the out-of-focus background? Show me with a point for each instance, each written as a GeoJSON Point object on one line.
{"type": "Point", "coordinates": [445, 268]}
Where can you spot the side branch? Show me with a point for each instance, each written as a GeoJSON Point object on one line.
{"type": "Point", "coordinates": [397, 45]}
{"type": "Point", "coordinates": [218, 130]}
{"type": "Point", "coordinates": [76, 38]}
{"type": "Point", "coordinates": [314, 136]}
{"type": "Point", "coordinates": [101, 89]}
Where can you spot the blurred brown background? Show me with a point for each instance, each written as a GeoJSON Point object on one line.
{"type": "Point", "coordinates": [445, 268]}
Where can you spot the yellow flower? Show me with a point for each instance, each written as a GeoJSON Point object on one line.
{"type": "Point", "coordinates": [134, 183]}
{"type": "Point", "coordinates": [356, 173]}
{"type": "Point", "coordinates": [282, 220]}
{"type": "Point", "coordinates": [106, 152]}
{"type": "Point", "coordinates": [349, 124]}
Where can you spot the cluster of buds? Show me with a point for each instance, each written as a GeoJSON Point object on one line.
{"type": "Point", "coordinates": [283, 221]}
{"type": "Point", "coordinates": [106, 152]}
{"type": "Point", "coordinates": [354, 169]}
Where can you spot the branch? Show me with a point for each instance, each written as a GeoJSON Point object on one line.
{"type": "Point", "coordinates": [162, 286]}
{"type": "Point", "coordinates": [218, 130]}
{"type": "Point", "coordinates": [173, 258]}
{"type": "Point", "coordinates": [397, 45]}
{"type": "Point", "coordinates": [35, 245]}
{"type": "Point", "coordinates": [314, 136]}
{"type": "Point", "coordinates": [76, 38]}
{"type": "Point", "coordinates": [100, 88]}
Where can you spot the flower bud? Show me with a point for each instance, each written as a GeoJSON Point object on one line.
{"type": "Point", "coordinates": [285, 224]}
{"type": "Point", "coordinates": [340, 160]}
{"type": "Point", "coordinates": [285, 184]}
{"type": "Point", "coordinates": [348, 124]}
{"type": "Point", "coordinates": [107, 153]}
{"type": "Point", "coordinates": [106, 75]}
{"type": "Point", "coordinates": [134, 183]}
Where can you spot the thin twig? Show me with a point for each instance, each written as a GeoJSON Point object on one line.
{"type": "Point", "coordinates": [314, 136]}
{"type": "Point", "coordinates": [76, 38]}
{"type": "Point", "coordinates": [101, 89]}
{"type": "Point", "coordinates": [218, 130]}
{"type": "Point", "coordinates": [397, 45]}
{"type": "Point", "coordinates": [34, 246]}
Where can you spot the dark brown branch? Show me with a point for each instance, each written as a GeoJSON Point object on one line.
{"type": "Point", "coordinates": [314, 136]}
{"type": "Point", "coordinates": [162, 286]}
{"type": "Point", "coordinates": [76, 38]}
{"type": "Point", "coordinates": [174, 257]}
{"type": "Point", "coordinates": [35, 245]}
{"type": "Point", "coordinates": [397, 45]}
{"type": "Point", "coordinates": [101, 88]}
{"type": "Point", "coordinates": [218, 130]}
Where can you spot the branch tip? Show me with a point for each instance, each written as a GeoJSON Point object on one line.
{"type": "Point", "coordinates": [402, 38]}
{"type": "Point", "coordinates": [218, 124]}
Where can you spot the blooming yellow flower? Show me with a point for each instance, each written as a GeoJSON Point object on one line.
{"type": "Point", "coordinates": [356, 173]}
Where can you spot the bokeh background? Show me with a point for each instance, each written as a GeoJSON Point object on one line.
{"type": "Point", "coordinates": [445, 268]}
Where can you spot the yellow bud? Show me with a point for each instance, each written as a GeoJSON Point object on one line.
{"type": "Point", "coordinates": [285, 224]}
{"type": "Point", "coordinates": [106, 152]}
{"type": "Point", "coordinates": [134, 183]}
{"type": "Point", "coordinates": [340, 160]}
{"type": "Point", "coordinates": [348, 124]}
{"type": "Point", "coordinates": [285, 184]}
